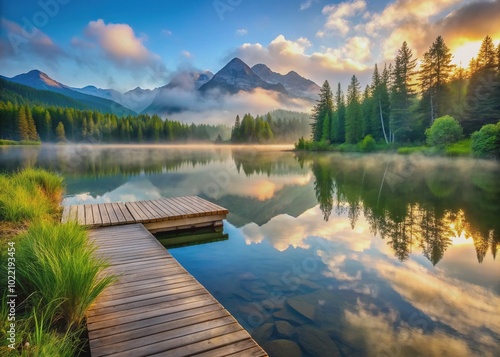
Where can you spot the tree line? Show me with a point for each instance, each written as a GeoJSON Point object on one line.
{"type": "Point", "coordinates": [402, 102]}
{"type": "Point", "coordinates": [268, 129]}
{"type": "Point", "coordinates": [58, 124]}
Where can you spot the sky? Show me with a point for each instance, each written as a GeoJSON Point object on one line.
{"type": "Point", "coordinates": [122, 45]}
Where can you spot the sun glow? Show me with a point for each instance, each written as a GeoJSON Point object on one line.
{"type": "Point", "coordinates": [464, 53]}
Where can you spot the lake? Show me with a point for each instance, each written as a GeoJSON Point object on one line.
{"type": "Point", "coordinates": [342, 254]}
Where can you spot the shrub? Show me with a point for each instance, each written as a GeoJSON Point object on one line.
{"type": "Point", "coordinates": [461, 148]}
{"type": "Point", "coordinates": [445, 130]}
{"type": "Point", "coordinates": [411, 150]}
{"type": "Point", "coordinates": [368, 144]}
{"type": "Point", "coordinates": [486, 141]}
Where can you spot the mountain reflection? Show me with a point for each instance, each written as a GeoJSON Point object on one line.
{"type": "Point", "coordinates": [412, 202]}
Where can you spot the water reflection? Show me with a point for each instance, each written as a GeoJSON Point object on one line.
{"type": "Point", "coordinates": [360, 255]}
{"type": "Point", "coordinates": [413, 203]}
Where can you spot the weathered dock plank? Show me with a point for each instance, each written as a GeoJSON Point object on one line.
{"type": "Point", "coordinates": [156, 307]}
{"type": "Point", "coordinates": [157, 215]}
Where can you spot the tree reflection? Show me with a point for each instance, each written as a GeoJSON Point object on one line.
{"type": "Point", "coordinates": [414, 204]}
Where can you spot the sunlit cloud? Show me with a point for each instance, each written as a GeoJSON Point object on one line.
{"type": "Point", "coordinates": [337, 22]}
{"type": "Point", "coordinates": [119, 43]}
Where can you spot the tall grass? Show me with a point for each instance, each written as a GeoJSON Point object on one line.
{"type": "Point", "coordinates": [56, 262]}
{"type": "Point", "coordinates": [30, 194]}
{"type": "Point", "coordinates": [57, 273]}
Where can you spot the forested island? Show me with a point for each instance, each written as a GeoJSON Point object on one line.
{"type": "Point", "coordinates": [439, 103]}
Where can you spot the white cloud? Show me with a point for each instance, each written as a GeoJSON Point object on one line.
{"type": "Point", "coordinates": [186, 54]}
{"type": "Point", "coordinates": [166, 33]}
{"type": "Point", "coordinates": [120, 44]}
{"type": "Point", "coordinates": [337, 64]}
{"type": "Point", "coordinates": [242, 32]}
{"type": "Point", "coordinates": [337, 17]}
{"type": "Point", "coordinates": [306, 5]}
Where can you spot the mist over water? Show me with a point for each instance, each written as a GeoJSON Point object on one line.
{"type": "Point", "coordinates": [371, 254]}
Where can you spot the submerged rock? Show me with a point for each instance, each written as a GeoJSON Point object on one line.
{"type": "Point", "coordinates": [282, 348]}
{"type": "Point", "coordinates": [243, 294]}
{"type": "Point", "coordinates": [316, 343]}
{"type": "Point", "coordinates": [304, 308]}
{"type": "Point", "coordinates": [285, 329]}
{"type": "Point", "coordinates": [263, 333]}
{"type": "Point", "coordinates": [285, 314]}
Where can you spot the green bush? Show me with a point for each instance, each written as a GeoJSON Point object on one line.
{"type": "Point", "coordinates": [461, 148]}
{"type": "Point", "coordinates": [444, 131]}
{"type": "Point", "coordinates": [411, 150]}
{"type": "Point", "coordinates": [486, 141]}
{"type": "Point", "coordinates": [55, 262]}
{"type": "Point", "coordinates": [303, 144]}
{"type": "Point", "coordinates": [368, 144]}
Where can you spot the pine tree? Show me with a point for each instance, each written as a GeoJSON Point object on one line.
{"type": "Point", "coordinates": [60, 134]}
{"type": "Point", "coordinates": [325, 136]}
{"type": "Point", "coordinates": [367, 107]}
{"type": "Point", "coordinates": [338, 118]}
{"type": "Point", "coordinates": [354, 113]}
{"type": "Point", "coordinates": [322, 109]}
{"type": "Point", "coordinates": [380, 104]}
{"type": "Point", "coordinates": [32, 132]}
{"type": "Point", "coordinates": [486, 57]}
{"type": "Point", "coordinates": [434, 76]}
{"type": "Point", "coordinates": [47, 126]}
{"type": "Point", "coordinates": [235, 133]}
{"type": "Point", "coordinates": [483, 91]}
{"type": "Point", "coordinates": [498, 59]}
{"type": "Point", "coordinates": [22, 125]}
{"type": "Point", "coordinates": [402, 93]}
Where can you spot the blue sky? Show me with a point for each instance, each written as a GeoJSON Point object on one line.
{"type": "Point", "coordinates": [115, 44]}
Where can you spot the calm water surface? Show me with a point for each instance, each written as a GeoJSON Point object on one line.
{"type": "Point", "coordinates": [375, 255]}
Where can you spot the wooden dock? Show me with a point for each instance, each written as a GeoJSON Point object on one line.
{"type": "Point", "coordinates": [159, 215]}
{"type": "Point", "coordinates": [156, 307]}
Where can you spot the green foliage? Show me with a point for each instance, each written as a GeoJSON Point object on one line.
{"type": "Point", "coordinates": [461, 148]}
{"type": "Point", "coordinates": [60, 133]}
{"type": "Point", "coordinates": [354, 113]}
{"type": "Point", "coordinates": [13, 142]}
{"type": "Point", "coordinates": [368, 144]}
{"type": "Point", "coordinates": [56, 262]}
{"type": "Point", "coordinates": [445, 130]}
{"type": "Point", "coordinates": [264, 130]}
{"type": "Point", "coordinates": [407, 150]}
{"type": "Point", "coordinates": [322, 114]}
{"type": "Point", "coordinates": [303, 144]}
{"type": "Point", "coordinates": [29, 195]}
{"type": "Point", "coordinates": [486, 142]}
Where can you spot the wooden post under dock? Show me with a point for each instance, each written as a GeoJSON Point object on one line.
{"type": "Point", "coordinates": [155, 307]}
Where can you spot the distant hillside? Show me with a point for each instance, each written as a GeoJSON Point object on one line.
{"type": "Point", "coordinates": [20, 94]}
{"type": "Point", "coordinates": [41, 81]}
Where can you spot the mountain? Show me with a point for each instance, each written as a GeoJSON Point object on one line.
{"type": "Point", "coordinates": [110, 94]}
{"type": "Point", "coordinates": [171, 97]}
{"type": "Point", "coordinates": [238, 76]}
{"type": "Point", "coordinates": [41, 81]}
{"type": "Point", "coordinates": [20, 94]}
{"type": "Point", "coordinates": [189, 80]}
{"type": "Point", "coordinates": [294, 83]}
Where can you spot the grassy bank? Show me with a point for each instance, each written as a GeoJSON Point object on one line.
{"type": "Point", "coordinates": [23, 142]}
{"type": "Point", "coordinates": [57, 275]}
{"type": "Point", "coordinates": [461, 148]}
